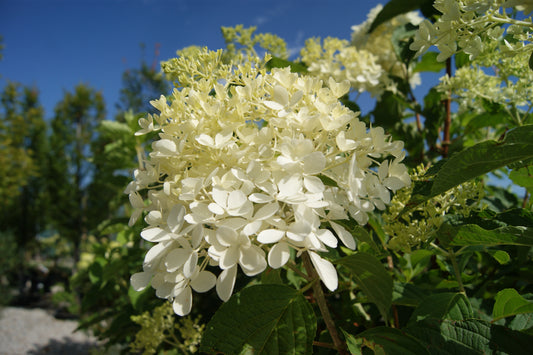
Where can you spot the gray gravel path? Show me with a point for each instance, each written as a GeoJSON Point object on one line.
{"type": "Point", "coordinates": [36, 332]}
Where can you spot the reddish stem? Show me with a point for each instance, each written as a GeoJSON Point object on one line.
{"type": "Point", "coordinates": [448, 119]}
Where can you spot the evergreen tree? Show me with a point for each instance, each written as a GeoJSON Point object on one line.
{"type": "Point", "coordinates": [23, 148]}
{"type": "Point", "coordinates": [71, 166]}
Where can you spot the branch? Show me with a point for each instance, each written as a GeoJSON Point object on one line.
{"type": "Point", "coordinates": [448, 119]}
{"type": "Point", "coordinates": [323, 306]}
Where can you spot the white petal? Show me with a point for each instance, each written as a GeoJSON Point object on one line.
{"type": "Point", "coordinates": [279, 255]}
{"type": "Point", "coordinates": [314, 163]}
{"type": "Point", "coordinates": [176, 258]}
{"type": "Point", "coordinates": [383, 170]}
{"type": "Point", "coordinates": [270, 236]}
{"type": "Point", "coordinates": [273, 105]}
{"type": "Point", "coordinates": [281, 95]}
{"type": "Point", "coordinates": [140, 280]}
{"type": "Point", "coordinates": [393, 183]}
{"type": "Point", "coordinates": [165, 146]}
{"type": "Point", "coordinates": [183, 302]}
{"type": "Point", "coordinates": [175, 218]}
{"type": "Point", "coordinates": [229, 258]}
{"type": "Point", "coordinates": [227, 236]}
{"type": "Point", "coordinates": [153, 255]}
{"type": "Point", "coordinates": [313, 184]}
{"type": "Point", "coordinates": [260, 198]}
{"type": "Point", "coordinates": [206, 140]}
{"type": "Point", "coordinates": [216, 209]}
{"type": "Point", "coordinates": [226, 282]}
{"type": "Point", "coordinates": [327, 238]}
{"type": "Point", "coordinates": [252, 228]}
{"type": "Point", "coordinates": [136, 200]}
{"type": "Point", "coordinates": [155, 234]}
{"type": "Point", "coordinates": [236, 199]}
{"type": "Point", "coordinates": [266, 211]}
{"type": "Point", "coordinates": [252, 260]}
{"type": "Point", "coordinates": [190, 264]}
{"type": "Point", "coordinates": [325, 270]}
{"type": "Point", "coordinates": [164, 289]}
{"type": "Point", "coordinates": [345, 236]}
{"type": "Point", "coordinates": [220, 196]}
{"type": "Point", "coordinates": [204, 281]}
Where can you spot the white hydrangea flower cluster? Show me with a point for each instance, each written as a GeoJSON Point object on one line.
{"type": "Point", "coordinates": [337, 59]}
{"type": "Point", "coordinates": [367, 62]}
{"type": "Point", "coordinates": [493, 76]}
{"type": "Point", "coordinates": [464, 24]}
{"type": "Point", "coordinates": [236, 178]}
{"type": "Point", "coordinates": [379, 42]}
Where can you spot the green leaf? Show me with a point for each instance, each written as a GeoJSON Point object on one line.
{"type": "Point", "coordinates": [139, 299]}
{"type": "Point", "coordinates": [471, 336]}
{"type": "Point", "coordinates": [483, 158]}
{"type": "Point", "coordinates": [523, 177]}
{"type": "Point", "coordinates": [393, 341]}
{"type": "Point", "coordinates": [472, 234]}
{"type": "Point", "coordinates": [475, 161]}
{"type": "Point", "coordinates": [502, 257]}
{"type": "Point", "coordinates": [402, 37]}
{"type": "Point", "coordinates": [407, 294]}
{"type": "Point", "coordinates": [429, 62]}
{"type": "Point", "coordinates": [388, 110]}
{"type": "Point", "coordinates": [276, 62]}
{"type": "Point", "coordinates": [115, 128]}
{"type": "Point", "coordinates": [486, 119]}
{"type": "Point", "coordinates": [327, 181]}
{"type": "Point", "coordinates": [523, 322]}
{"type": "Point", "coordinates": [262, 319]}
{"type": "Point", "coordinates": [462, 59]}
{"type": "Point", "coordinates": [353, 344]}
{"type": "Point", "coordinates": [394, 8]}
{"type": "Point", "coordinates": [531, 61]}
{"type": "Point", "coordinates": [454, 306]}
{"type": "Point", "coordinates": [509, 303]}
{"type": "Point", "coordinates": [373, 279]}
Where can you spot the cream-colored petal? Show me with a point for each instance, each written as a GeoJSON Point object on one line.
{"type": "Point", "coordinates": [278, 255]}
{"type": "Point", "coordinates": [204, 281]}
{"type": "Point", "coordinates": [182, 304]}
{"type": "Point", "coordinates": [226, 282]}
{"type": "Point", "coordinates": [325, 270]}
{"type": "Point", "coordinates": [140, 280]}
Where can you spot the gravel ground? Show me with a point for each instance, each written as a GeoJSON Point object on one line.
{"type": "Point", "coordinates": [37, 332]}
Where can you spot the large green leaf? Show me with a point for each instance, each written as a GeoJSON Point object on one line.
{"type": "Point", "coordinates": [474, 161]}
{"type": "Point", "coordinates": [470, 336]}
{"type": "Point", "coordinates": [483, 158]}
{"type": "Point", "coordinates": [262, 319]}
{"type": "Point", "coordinates": [472, 234]}
{"type": "Point", "coordinates": [394, 8]}
{"type": "Point", "coordinates": [371, 276]}
{"type": "Point", "coordinates": [392, 341]}
{"type": "Point", "coordinates": [510, 303]}
{"type": "Point", "coordinates": [407, 294]}
{"type": "Point", "coordinates": [454, 306]}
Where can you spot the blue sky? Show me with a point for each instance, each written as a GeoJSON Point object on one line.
{"type": "Point", "coordinates": [57, 44]}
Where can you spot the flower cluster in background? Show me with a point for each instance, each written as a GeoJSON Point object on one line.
{"type": "Point", "coordinates": [252, 168]}
{"type": "Point", "coordinates": [368, 61]}
{"type": "Point", "coordinates": [408, 230]}
{"type": "Point", "coordinates": [466, 24]}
